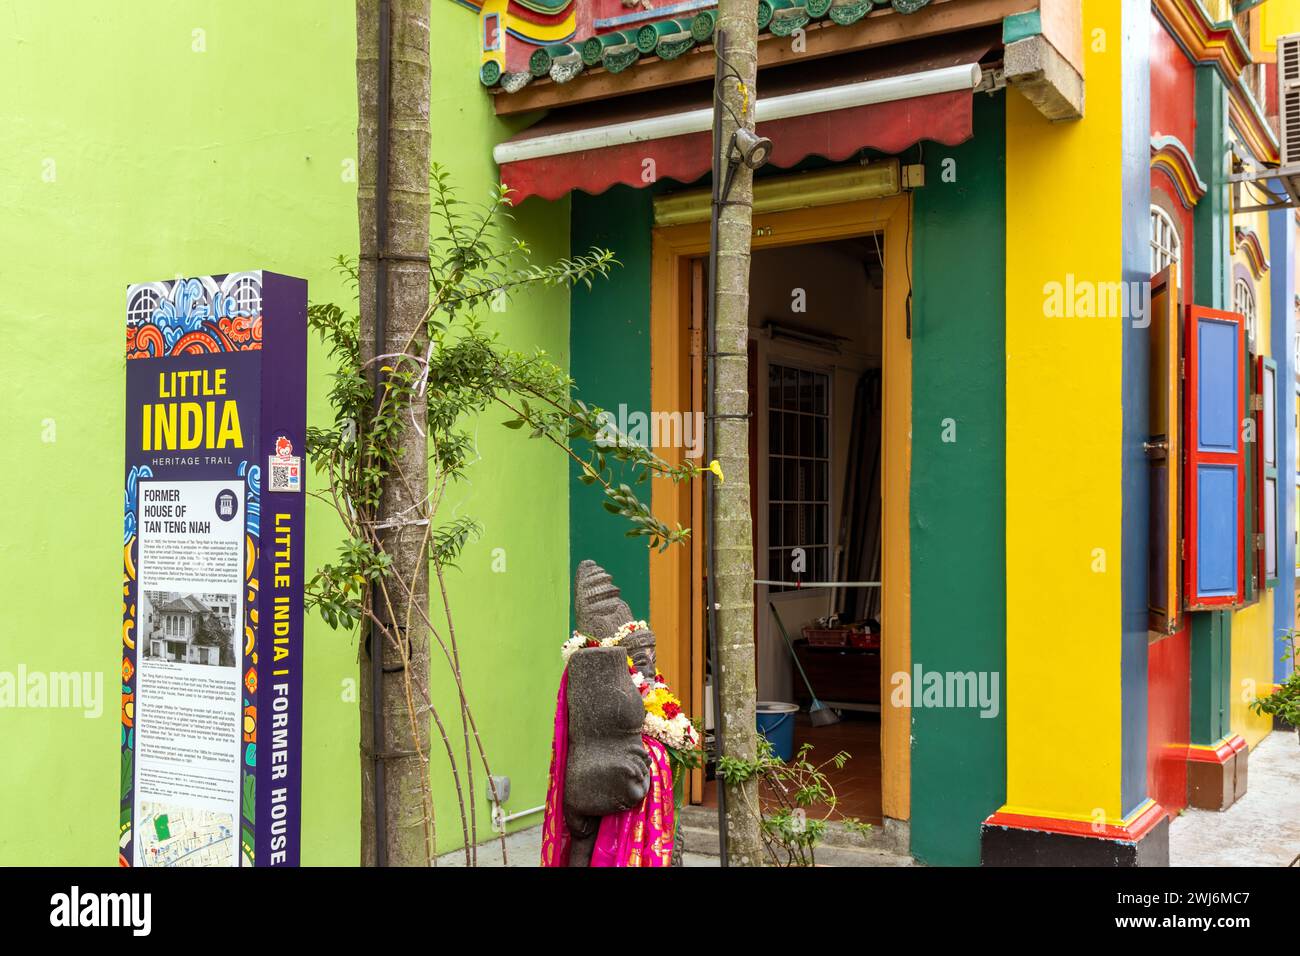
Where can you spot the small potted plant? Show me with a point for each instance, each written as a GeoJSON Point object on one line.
{"type": "Point", "coordinates": [1284, 703]}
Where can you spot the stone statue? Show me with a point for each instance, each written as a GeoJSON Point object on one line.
{"type": "Point", "coordinates": [609, 769]}
{"type": "Point", "coordinates": [600, 611]}
{"type": "Point", "coordinates": [611, 795]}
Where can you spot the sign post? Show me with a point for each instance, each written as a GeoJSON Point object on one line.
{"type": "Point", "coordinates": [213, 571]}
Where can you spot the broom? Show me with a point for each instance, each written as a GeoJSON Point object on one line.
{"type": "Point", "coordinates": [818, 713]}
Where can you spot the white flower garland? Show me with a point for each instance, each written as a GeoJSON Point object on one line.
{"type": "Point", "coordinates": [580, 641]}
{"type": "Point", "coordinates": [676, 731]}
{"type": "Point", "coordinates": [629, 628]}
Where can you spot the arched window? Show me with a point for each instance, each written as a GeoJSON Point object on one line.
{"type": "Point", "coordinates": [1166, 247]}
{"type": "Point", "coordinates": [1243, 301]}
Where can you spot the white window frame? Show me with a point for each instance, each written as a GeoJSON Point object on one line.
{"type": "Point", "coordinates": [1166, 241]}
{"type": "Point", "coordinates": [784, 361]}
{"type": "Point", "coordinates": [1243, 301]}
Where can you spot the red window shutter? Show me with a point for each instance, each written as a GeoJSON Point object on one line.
{"type": "Point", "coordinates": [1164, 448]}
{"type": "Point", "coordinates": [1215, 481]}
{"type": "Point", "coordinates": [1266, 493]}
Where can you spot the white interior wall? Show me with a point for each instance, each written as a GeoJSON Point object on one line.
{"type": "Point", "coordinates": [839, 299]}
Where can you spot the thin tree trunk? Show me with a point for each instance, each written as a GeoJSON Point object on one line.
{"type": "Point", "coordinates": [407, 218]}
{"type": "Point", "coordinates": [734, 573]}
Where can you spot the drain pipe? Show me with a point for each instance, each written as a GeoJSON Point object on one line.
{"type": "Point", "coordinates": [500, 819]}
{"type": "Point", "coordinates": [710, 506]}
{"type": "Point", "coordinates": [377, 735]}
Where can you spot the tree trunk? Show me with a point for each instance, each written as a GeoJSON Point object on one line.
{"type": "Point", "coordinates": [406, 218]}
{"type": "Point", "coordinates": [734, 571]}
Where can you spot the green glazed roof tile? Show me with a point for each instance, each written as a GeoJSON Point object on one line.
{"type": "Point", "coordinates": [670, 48]}
{"type": "Point", "coordinates": [847, 13]}
{"type": "Point", "coordinates": [671, 38]}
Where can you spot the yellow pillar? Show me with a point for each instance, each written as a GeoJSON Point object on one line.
{"type": "Point", "coordinates": [1065, 353]}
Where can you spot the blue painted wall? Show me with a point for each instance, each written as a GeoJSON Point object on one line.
{"type": "Point", "coordinates": [1135, 157]}
{"type": "Point", "coordinates": [1282, 250]}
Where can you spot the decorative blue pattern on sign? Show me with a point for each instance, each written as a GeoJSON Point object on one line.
{"type": "Point", "coordinates": [1216, 516]}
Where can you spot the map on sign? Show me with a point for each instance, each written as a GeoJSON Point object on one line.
{"type": "Point", "coordinates": [185, 836]}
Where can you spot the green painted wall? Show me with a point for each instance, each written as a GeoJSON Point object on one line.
{"type": "Point", "coordinates": [958, 488]}
{"type": "Point", "coordinates": [1211, 676]}
{"type": "Point", "coordinates": [958, 551]}
{"type": "Point", "coordinates": [610, 334]}
{"type": "Point", "coordinates": [137, 148]}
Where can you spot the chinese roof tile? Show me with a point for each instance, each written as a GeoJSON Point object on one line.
{"type": "Point", "coordinates": [518, 50]}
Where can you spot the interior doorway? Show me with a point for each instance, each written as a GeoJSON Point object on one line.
{"type": "Point", "coordinates": [816, 324]}
{"type": "Point", "coordinates": [830, 387]}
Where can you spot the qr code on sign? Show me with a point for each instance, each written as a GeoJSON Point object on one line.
{"type": "Point", "coordinates": [285, 474]}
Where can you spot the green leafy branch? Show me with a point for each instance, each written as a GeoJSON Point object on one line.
{"type": "Point", "coordinates": [451, 370]}
{"type": "Point", "coordinates": [788, 791]}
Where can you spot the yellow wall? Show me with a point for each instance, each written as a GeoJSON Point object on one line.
{"type": "Point", "coordinates": [1063, 435]}
{"type": "Point", "coordinates": [1277, 18]}
{"type": "Point", "coordinates": [1253, 646]}
{"type": "Point", "coordinates": [1253, 652]}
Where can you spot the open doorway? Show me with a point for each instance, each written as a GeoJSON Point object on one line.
{"type": "Point", "coordinates": [816, 357]}
{"type": "Point", "coordinates": [826, 250]}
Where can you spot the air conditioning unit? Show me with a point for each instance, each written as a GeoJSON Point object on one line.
{"type": "Point", "coordinates": [1264, 188]}
{"type": "Point", "coordinates": [1288, 97]}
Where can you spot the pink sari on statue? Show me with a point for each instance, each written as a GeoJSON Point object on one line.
{"type": "Point", "coordinates": [642, 836]}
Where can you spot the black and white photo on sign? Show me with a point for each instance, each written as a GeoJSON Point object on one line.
{"type": "Point", "coordinates": [185, 627]}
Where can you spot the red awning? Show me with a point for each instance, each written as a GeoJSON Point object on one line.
{"type": "Point", "coordinates": [828, 108]}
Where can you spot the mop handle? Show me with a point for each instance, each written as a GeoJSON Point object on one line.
{"type": "Point", "coordinates": [806, 683]}
{"type": "Point", "coordinates": [818, 584]}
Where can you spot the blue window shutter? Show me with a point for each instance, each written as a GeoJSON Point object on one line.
{"type": "Point", "coordinates": [1215, 567]}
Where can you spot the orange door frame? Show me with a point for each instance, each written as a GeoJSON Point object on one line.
{"type": "Point", "coordinates": [676, 362]}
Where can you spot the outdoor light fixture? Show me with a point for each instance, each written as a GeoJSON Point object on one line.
{"type": "Point", "coordinates": [750, 148]}
{"type": "Point", "coordinates": [746, 147]}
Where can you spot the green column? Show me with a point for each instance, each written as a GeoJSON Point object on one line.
{"type": "Point", "coordinates": [1211, 673]}
{"type": "Point", "coordinates": [609, 328]}
{"type": "Point", "coordinates": [958, 524]}
{"type": "Point", "coordinates": [1211, 638]}
{"type": "Point", "coordinates": [1212, 213]}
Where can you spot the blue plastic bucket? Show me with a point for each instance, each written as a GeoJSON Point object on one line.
{"type": "Point", "coordinates": [776, 723]}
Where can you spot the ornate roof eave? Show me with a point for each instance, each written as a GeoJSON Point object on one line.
{"type": "Point", "coordinates": [1248, 120]}
{"type": "Point", "coordinates": [1170, 156]}
{"type": "Point", "coordinates": [1250, 246]}
{"type": "Point", "coordinates": [653, 35]}
{"type": "Point", "coordinates": [1205, 42]}
{"type": "Point", "coordinates": [1221, 45]}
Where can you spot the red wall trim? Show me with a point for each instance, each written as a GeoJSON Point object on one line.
{"type": "Point", "coordinates": [1131, 832]}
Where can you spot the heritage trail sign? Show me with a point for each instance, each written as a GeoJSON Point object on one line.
{"type": "Point", "coordinates": [212, 578]}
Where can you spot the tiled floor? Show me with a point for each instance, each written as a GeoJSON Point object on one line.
{"type": "Point", "coordinates": [857, 783]}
